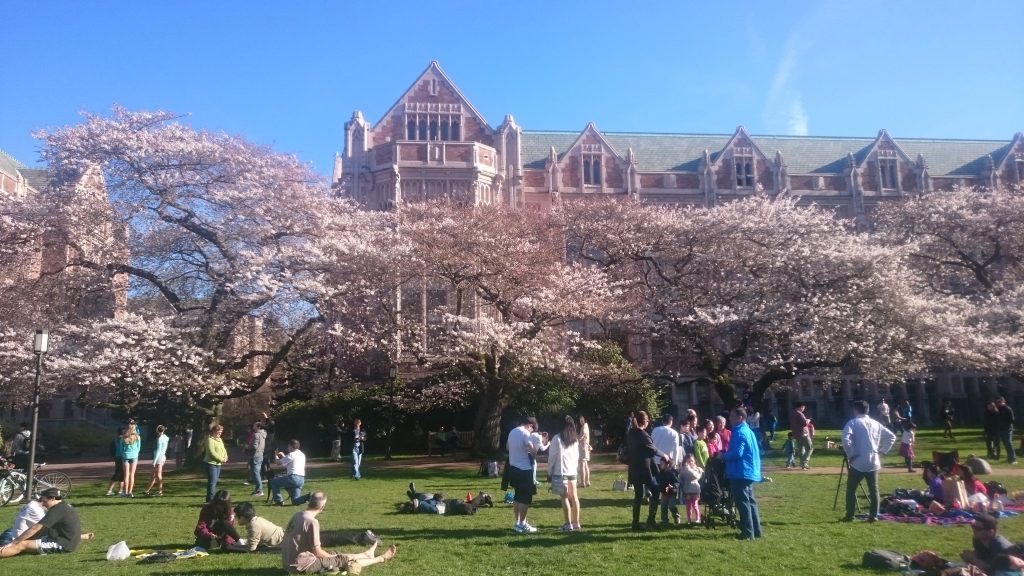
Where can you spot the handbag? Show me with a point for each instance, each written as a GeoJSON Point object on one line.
{"type": "Point", "coordinates": [619, 484]}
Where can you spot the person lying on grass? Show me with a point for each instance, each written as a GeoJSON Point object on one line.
{"type": "Point", "coordinates": [58, 531]}
{"type": "Point", "coordinates": [302, 550]}
{"type": "Point", "coordinates": [431, 503]}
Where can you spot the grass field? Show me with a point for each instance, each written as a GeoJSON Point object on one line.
{"type": "Point", "coordinates": [802, 534]}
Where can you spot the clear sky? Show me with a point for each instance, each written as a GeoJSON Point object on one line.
{"type": "Point", "coordinates": [290, 73]}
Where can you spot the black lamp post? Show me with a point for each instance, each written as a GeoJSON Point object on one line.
{"type": "Point", "coordinates": [392, 383]}
{"type": "Point", "coordinates": [39, 345]}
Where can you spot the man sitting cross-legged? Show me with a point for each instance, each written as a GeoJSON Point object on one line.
{"type": "Point", "coordinates": [302, 551]}
{"type": "Point", "coordinates": [58, 531]}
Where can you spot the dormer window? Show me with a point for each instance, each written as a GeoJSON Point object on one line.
{"type": "Point", "coordinates": [743, 163]}
{"type": "Point", "coordinates": [591, 165]}
{"type": "Point", "coordinates": [888, 170]}
{"type": "Point", "coordinates": [1018, 163]}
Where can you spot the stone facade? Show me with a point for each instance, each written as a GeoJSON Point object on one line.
{"type": "Point", "coordinates": [433, 143]}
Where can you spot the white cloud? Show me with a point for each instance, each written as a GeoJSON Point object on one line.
{"type": "Point", "coordinates": [797, 125]}
{"type": "Point", "coordinates": [784, 110]}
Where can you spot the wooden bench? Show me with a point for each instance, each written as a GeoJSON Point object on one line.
{"type": "Point", "coordinates": [434, 440]}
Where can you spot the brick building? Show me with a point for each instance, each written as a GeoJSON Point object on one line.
{"type": "Point", "coordinates": [101, 297]}
{"type": "Point", "coordinates": [433, 143]}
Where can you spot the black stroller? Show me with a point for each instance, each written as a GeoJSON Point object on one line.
{"type": "Point", "coordinates": [714, 495]}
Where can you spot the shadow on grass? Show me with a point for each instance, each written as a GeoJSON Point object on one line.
{"type": "Point", "coordinates": [276, 571]}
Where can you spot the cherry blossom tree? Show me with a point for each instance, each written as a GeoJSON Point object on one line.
{"type": "Point", "coordinates": [966, 245]}
{"type": "Point", "coordinates": [214, 239]}
{"type": "Point", "coordinates": [756, 291]}
{"type": "Point", "coordinates": [510, 306]}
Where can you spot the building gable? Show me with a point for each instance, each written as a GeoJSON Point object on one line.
{"type": "Point", "coordinates": [432, 108]}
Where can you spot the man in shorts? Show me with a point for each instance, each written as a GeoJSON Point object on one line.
{"type": "Point", "coordinates": [520, 450]}
{"type": "Point", "coordinates": [301, 552]}
{"type": "Point", "coordinates": [59, 530]}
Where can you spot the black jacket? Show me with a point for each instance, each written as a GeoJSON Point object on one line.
{"type": "Point", "coordinates": [642, 456]}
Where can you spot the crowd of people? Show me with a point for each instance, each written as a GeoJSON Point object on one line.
{"type": "Point", "coordinates": [666, 468]}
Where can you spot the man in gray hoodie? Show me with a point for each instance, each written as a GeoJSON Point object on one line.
{"type": "Point", "coordinates": [257, 444]}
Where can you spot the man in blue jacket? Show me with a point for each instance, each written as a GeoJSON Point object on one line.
{"type": "Point", "coordinates": [743, 468]}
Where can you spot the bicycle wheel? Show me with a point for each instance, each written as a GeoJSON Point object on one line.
{"type": "Point", "coordinates": [14, 488]}
{"type": "Point", "coordinates": [6, 490]}
{"type": "Point", "coordinates": [58, 480]}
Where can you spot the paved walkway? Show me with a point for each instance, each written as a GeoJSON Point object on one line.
{"type": "Point", "coordinates": [95, 471]}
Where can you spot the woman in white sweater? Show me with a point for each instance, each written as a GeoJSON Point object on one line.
{"type": "Point", "coordinates": [563, 462]}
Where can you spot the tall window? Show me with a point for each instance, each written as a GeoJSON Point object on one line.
{"type": "Point", "coordinates": [743, 162]}
{"type": "Point", "coordinates": [1019, 164]}
{"type": "Point", "coordinates": [433, 121]}
{"type": "Point", "coordinates": [592, 164]}
{"type": "Point", "coordinates": [592, 170]}
{"type": "Point", "coordinates": [887, 168]}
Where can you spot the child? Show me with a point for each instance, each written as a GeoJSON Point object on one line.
{"type": "Point", "coordinates": [789, 449]}
{"type": "Point", "coordinates": [689, 479]}
{"type": "Point", "coordinates": [668, 481]}
{"type": "Point", "coordinates": [700, 447]}
{"type": "Point", "coordinates": [907, 444]}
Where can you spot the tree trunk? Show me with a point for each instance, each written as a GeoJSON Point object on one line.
{"type": "Point", "coordinates": [725, 389]}
{"type": "Point", "coordinates": [201, 422]}
{"type": "Point", "coordinates": [487, 426]}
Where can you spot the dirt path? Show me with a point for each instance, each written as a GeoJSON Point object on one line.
{"type": "Point", "coordinates": [95, 471]}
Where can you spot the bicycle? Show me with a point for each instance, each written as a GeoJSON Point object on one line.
{"type": "Point", "coordinates": [12, 484]}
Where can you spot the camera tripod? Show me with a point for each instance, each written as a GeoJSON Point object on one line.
{"type": "Point", "coordinates": [839, 485]}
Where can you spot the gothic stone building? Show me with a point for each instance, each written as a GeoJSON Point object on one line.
{"type": "Point", "coordinates": [433, 143]}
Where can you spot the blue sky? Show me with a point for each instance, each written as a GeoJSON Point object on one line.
{"type": "Point", "coordinates": [290, 73]}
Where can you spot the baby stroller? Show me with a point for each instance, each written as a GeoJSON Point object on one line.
{"type": "Point", "coordinates": [714, 494]}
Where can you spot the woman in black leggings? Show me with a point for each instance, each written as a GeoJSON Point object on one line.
{"type": "Point", "coordinates": [642, 467]}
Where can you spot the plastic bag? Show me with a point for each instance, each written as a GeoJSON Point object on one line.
{"type": "Point", "coordinates": [119, 551]}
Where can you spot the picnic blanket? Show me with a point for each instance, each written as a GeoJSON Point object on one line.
{"type": "Point", "coordinates": [947, 518]}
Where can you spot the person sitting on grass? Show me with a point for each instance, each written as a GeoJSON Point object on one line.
{"type": "Point", "coordinates": [302, 551]}
{"type": "Point", "coordinates": [216, 526]}
{"type": "Point", "coordinates": [58, 531]}
{"type": "Point", "coordinates": [988, 543]}
{"type": "Point", "coordinates": [933, 478]}
{"type": "Point", "coordinates": [260, 533]}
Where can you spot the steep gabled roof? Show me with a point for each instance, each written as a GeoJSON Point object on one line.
{"type": "Point", "coordinates": [433, 69]}
{"type": "Point", "coordinates": [589, 129]}
{"type": "Point", "coordinates": [9, 165]}
{"type": "Point", "coordinates": [803, 154]}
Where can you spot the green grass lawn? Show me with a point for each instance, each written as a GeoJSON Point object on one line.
{"type": "Point", "coordinates": [802, 534]}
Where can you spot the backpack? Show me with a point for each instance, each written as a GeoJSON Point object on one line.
{"type": "Point", "coordinates": [885, 560]}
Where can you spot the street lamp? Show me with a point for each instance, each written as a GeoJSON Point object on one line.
{"type": "Point", "coordinates": [40, 344]}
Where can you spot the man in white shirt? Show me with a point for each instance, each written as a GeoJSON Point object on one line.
{"type": "Point", "coordinates": [668, 441]}
{"type": "Point", "coordinates": [883, 412]}
{"type": "Point", "coordinates": [293, 478]}
{"type": "Point", "coordinates": [864, 440]}
{"type": "Point", "coordinates": [521, 456]}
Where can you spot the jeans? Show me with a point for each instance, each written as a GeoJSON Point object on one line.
{"type": "Point", "coordinates": [357, 461]}
{"type": "Point", "coordinates": [746, 504]}
{"type": "Point", "coordinates": [7, 537]}
{"type": "Point", "coordinates": [804, 449]}
{"type": "Point", "coordinates": [255, 463]}
{"type": "Point", "coordinates": [851, 492]}
{"type": "Point", "coordinates": [212, 475]}
{"type": "Point", "coordinates": [293, 484]}
{"type": "Point", "coordinates": [1007, 437]}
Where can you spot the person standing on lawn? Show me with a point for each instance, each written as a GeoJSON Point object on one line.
{"type": "Point", "coordinates": [216, 455]}
{"type": "Point", "coordinates": [991, 428]}
{"type": "Point", "coordinates": [864, 439]}
{"type": "Point", "coordinates": [667, 440]}
{"type": "Point", "coordinates": [883, 413]}
{"type": "Point", "coordinates": [947, 419]}
{"type": "Point", "coordinates": [643, 468]}
{"type": "Point", "coordinates": [799, 425]}
{"type": "Point", "coordinates": [1005, 429]}
{"type": "Point", "coordinates": [742, 469]}
{"type": "Point", "coordinates": [358, 444]}
{"type": "Point", "coordinates": [159, 459]}
{"type": "Point", "coordinates": [257, 446]}
{"type": "Point", "coordinates": [520, 472]}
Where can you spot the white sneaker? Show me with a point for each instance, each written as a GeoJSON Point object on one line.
{"type": "Point", "coordinates": [528, 529]}
{"type": "Point", "coordinates": [517, 528]}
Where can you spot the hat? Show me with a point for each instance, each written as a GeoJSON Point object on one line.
{"type": "Point", "coordinates": [53, 493]}
{"type": "Point", "coordinates": [986, 521]}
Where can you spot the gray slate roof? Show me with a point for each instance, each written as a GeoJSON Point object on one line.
{"type": "Point", "coordinates": [8, 164]}
{"type": "Point", "coordinates": [802, 154]}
